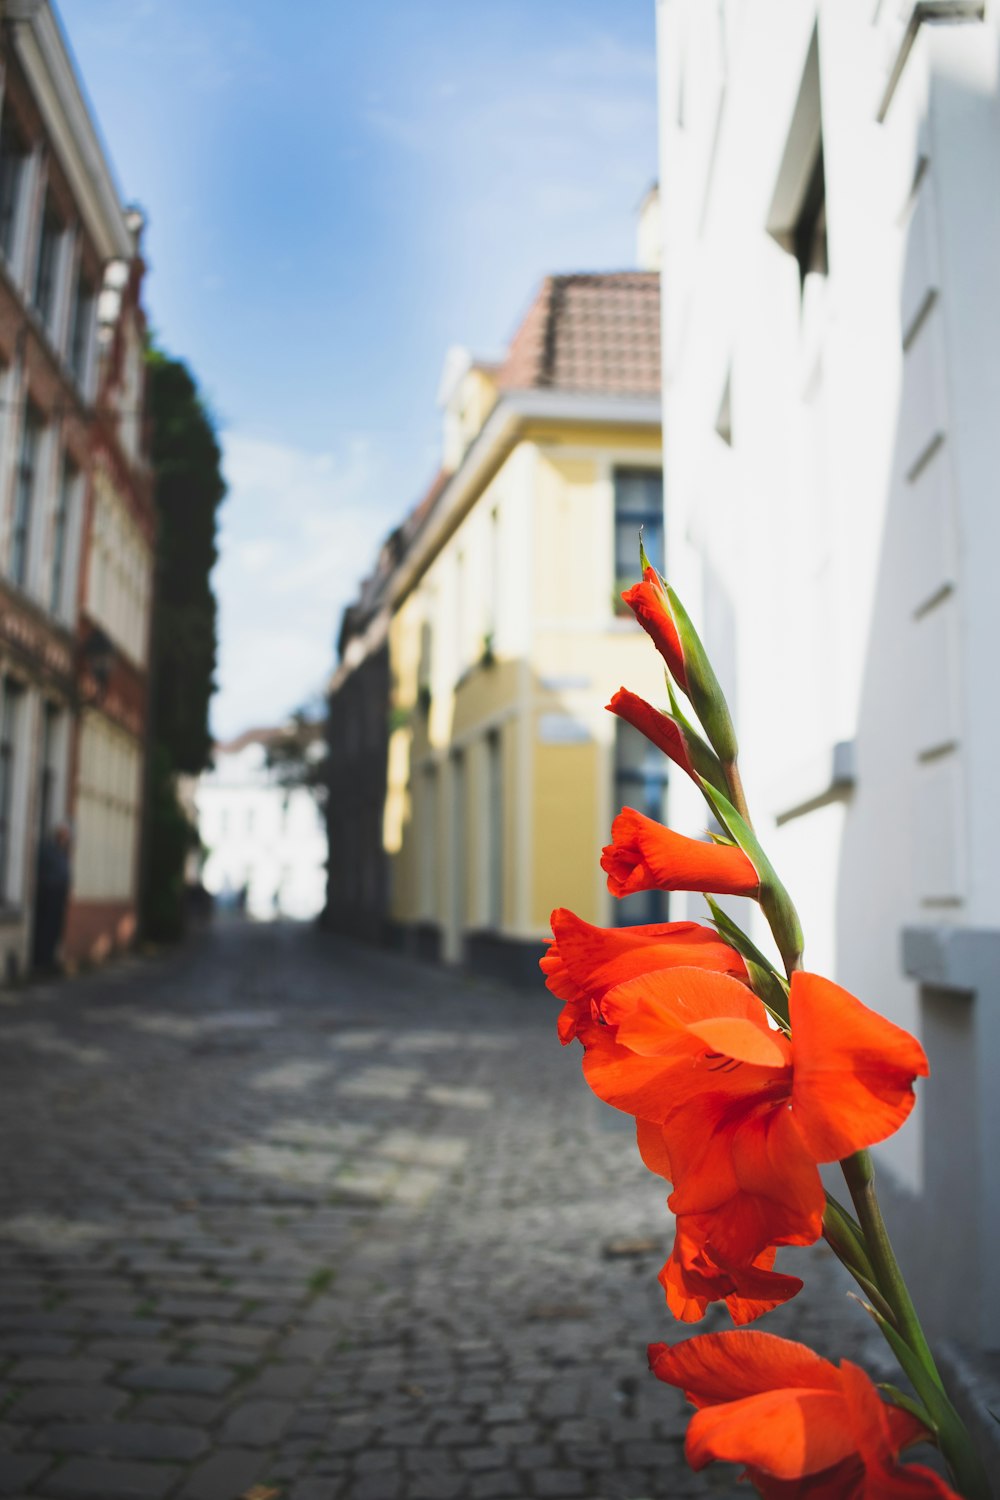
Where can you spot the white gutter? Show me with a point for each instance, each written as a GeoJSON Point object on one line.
{"type": "Point", "coordinates": [48, 66]}
{"type": "Point", "coordinates": [501, 430]}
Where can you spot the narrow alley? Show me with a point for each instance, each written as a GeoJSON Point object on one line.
{"type": "Point", "coordinates": [279, 1211]}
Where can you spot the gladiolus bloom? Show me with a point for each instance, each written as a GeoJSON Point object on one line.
{"type": "Point", "coordinates": [645, 856]}
{"type": "Point", "coordinates": [806, 1429]}
{"type": "Point", "coordinates": [736, 1114]}
{"type": "Point", "coordinates": [649, 604]}
{"type": "Point", "coordinates": [584, 962]}
{"type": "Point", "coordinates": [659, 728]}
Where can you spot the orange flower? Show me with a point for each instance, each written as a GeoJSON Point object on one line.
{"type": "Point", "coordinates": [650, 605]}
{"type": "Point", "coordinates": [663, 731]}
{"type": "Point", "coordinates": [644, 856]}
{"type": "Point", "coordinates": [737, 1115]}
{"type": "Point", "coordinates": [806, 1429]}
{"type": "Point", "coordinates": [583, 962]}
{"type": "Point", "coordinates": [693, 1277]}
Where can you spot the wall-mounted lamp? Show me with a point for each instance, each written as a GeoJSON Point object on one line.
{"type": "Point", "coordinates": [97, 656]}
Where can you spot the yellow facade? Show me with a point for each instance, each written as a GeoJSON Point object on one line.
{"type": "Point", "coordinates": [505, 645]}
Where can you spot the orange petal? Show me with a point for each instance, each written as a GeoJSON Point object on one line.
{"type": "Point", "coordinates": [637, 1085]}
{"type": "Point", "coordinates": [718, 1367]}
{"type": "Point", "coordinates": [648, 603]}
{"type": "Point", "coordinates": [643, 856]}
{"type": "Point", "coordinates": [747, 1041]}
{"type": "Point", "coordinates": [693, 1277]}
{"type": "Point", "coordinates": [853, 1069]}
{"type": "Point", "coordinates": [583, 961]}
{"type": "Point", "coordinates": [653, 1148]}
{"type": "Point", "coordinates": [652, 1009]}
{"type": "Point", "coordinates": [659, 728]}
{"type": "Point", "coordinates": [787, 1433]}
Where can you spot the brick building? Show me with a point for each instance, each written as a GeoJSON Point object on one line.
{"type": "Point", "coordinates": [76, 518]}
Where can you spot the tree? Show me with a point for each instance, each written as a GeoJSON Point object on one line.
{"type": "Point", "coordinates": [296, 754]}
{"type": "Point", "coordinates": [188, 488]}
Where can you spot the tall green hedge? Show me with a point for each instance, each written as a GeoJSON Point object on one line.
{"type": "Point", "coordinates": [188, 489]}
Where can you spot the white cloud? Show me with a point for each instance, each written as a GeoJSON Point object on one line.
{"type": "Point", "coordinates": [299, 530]}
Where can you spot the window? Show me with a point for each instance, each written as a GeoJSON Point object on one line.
{"type": "Point", "coordinates": [80, 326]}
{"type": "Point", "coordinates": [640, 782]}
{"type": "Point", "coordinates": [47, 264]}
{"type": "Point", "coordinates": [13, 156]}
{"type": "Point", "coordinates": [638, 508]}
{"type": "Point", "coordinates": [493, 582]}
{"type": "Point", "coordinates": [10, 706]}
{"type": "Point", "coordinates": [60, 527]}
{"type": "Point", "coordinates": [797, 216]}
{"type": "Point", "coordinates": [809, 234]}
{"type": "Point", "coordinates": [494, 815]}
{"type": "Point", "coordinates": [49, 771]}
{"type": "Point", "coordinates": [24, 491]}
{"type": "Point", "coordinates": [107, 812]}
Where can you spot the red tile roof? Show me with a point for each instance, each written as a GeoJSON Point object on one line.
{"type": "Point", "coordinates": [589, 332]}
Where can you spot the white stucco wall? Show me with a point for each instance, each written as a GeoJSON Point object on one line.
{"type": "Point", "coordinates": [839, 550]}
{"type": "Point", "coordinates": [260, 836]}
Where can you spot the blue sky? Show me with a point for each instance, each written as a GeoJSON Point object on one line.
{"type": "Point", "coordinates": [336, 193]}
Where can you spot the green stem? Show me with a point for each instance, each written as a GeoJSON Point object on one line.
{"type": "Point", "coordinates": [737, 795]}
{"type": "Point", "coordinates": [956, 1445]}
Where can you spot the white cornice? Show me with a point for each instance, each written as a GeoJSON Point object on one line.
{"type": "Point", "coordinates": [513, 413]}
{"type": "Point", "coordinates": [44, 56]}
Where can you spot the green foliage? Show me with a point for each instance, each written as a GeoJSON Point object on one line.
{"type": "Point", "coordinates": [297, 755]}
{"type": "Point", "coordinates": [188, 489]}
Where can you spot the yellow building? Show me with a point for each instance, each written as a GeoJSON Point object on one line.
{"type": "Point", "coordinates": [507, 638]}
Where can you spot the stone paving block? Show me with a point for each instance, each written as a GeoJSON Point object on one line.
{"type": "Point", "coordinates": [199, 1411]}
{"type": "Point", "coordinates": [316, 1489]}
{"type": "Point", "coordinates": [437, 1487]}
{"type": "Point", "coordinates": [277, 1379]}
{"type": "Point", "coordinates": [225, 1475]}
{"type": "Point", "coordinates": [306, 1343]}
{"type": "Point", "coordinates": [122, 1351]}
{"type": "Point", "coordinates": [18, 1470]}
{"type": "Point", "coordinates": [498, 1485]}
{"type": "Point", "coordinates": [104, 1479]}
{"type": "Point", "coordinates": [84, 1403]}
{"type": "Point", "coordinates": [206, 1380]}
{"type": "Point", "coordinates": [69, 1371]}
{"type": "Point", "coordinates": [242, 1335]}
{"type": "Point", "coordinates": [126, 1328]}
{"type": "Point", "coordinates": [555, 1482]}
{"type": "Point", "coordinates": [217, 1354]}
{"type": "Point", "coordinates": [478, 1459]}
{"type": "Point", "coordinates": [34, 1343]}
{"type": "Point", "coordinates": [152, 1440]}
{"type": "Point", "coordinates": [257, 1424]}
{"type": "Point", "coordinates": [374, 1487]}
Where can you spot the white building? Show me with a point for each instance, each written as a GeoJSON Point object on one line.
{"type": "Point", "coordinates": [831, 302]}
{"type": "Point", "coordinates": [259, 837]}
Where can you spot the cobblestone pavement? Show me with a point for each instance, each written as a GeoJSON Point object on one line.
{"type": "Point", "coordinates": [282, 1212]}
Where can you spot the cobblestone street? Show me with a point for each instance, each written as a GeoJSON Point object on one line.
{"type": "Point", "coordinates": [282, 1212]}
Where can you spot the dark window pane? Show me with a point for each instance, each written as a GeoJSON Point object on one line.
{"type": "Point", "coordinates": [13, 154]}
{"type": "Point", "coordinates": [638, 507]}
